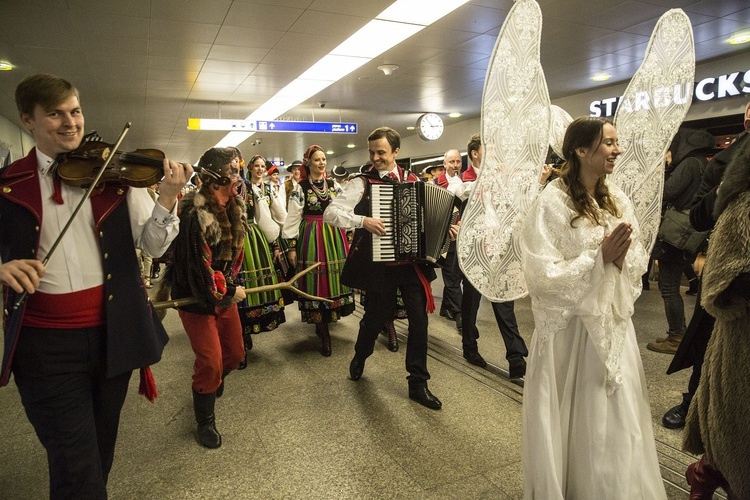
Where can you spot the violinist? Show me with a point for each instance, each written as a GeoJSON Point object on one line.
{"type": "Point", "coordinates": [87, 323]}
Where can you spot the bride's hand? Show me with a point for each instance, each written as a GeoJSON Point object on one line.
{"type": "Point", "coordinates": [616, 244]}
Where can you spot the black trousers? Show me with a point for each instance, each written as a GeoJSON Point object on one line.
{"type": "Point", "coordinates": [452, 284]}
{"type": "Point", "coordinates": [379, 309]}
{"type": "Point", "coordinates": [505, 316]}
{"type": "Point", "coordinates": [73, 406]}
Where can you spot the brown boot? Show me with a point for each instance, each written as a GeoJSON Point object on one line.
{"type": "Point", "coordinates": [704, 480]}
{"type": "Point", "coordinates": [669, 345]}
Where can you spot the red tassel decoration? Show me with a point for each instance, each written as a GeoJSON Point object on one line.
{"type": "Point", "coordinates": [148, 384]}
{"type": "Point", "coordinates": [427, 290]}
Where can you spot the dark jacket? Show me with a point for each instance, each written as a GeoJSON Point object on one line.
{"type": "Point", "coordinates": [135, 336]}
{"type": "Point", "coordinates": [689, 149]}
{"type": "Point", "coordinates": [702, 205]}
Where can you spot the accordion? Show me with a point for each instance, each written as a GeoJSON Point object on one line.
{"type": "Point", "coordinates": [417, 216]}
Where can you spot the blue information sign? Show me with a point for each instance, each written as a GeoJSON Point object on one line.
{"type": "Point", "coordinates": [271, 126]}
{"type": "Point", "coordinates": [311, 127]}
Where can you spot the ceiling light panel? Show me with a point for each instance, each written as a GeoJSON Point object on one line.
{"type": "Point", "coordinates": [424, 12]}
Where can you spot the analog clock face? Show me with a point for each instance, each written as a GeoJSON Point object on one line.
{"type": "Point", "coordinates": [430, 126]}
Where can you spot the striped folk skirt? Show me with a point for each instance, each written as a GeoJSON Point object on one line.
{"type": "Point", "coordinates": [264, 311]}
{"type": "Point", "coordinates": [319, 242]}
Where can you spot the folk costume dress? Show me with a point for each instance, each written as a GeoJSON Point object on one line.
{"type": "Point", "coordinates": [316, 241]}
{"type": "Point", "coordinates": [587, 429]}
{"type": "Point", "coordinates": [259, 312]}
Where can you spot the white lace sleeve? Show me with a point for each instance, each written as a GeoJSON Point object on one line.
{"type": "Point", "coordinates": [555, 272]}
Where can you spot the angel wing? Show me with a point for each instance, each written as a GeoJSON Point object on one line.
{"type": "Point", "coordinates": [515, 135]}
{"type": "Point", "coordinates": [650, 112]}
{"type": "Point", "coordinates": [560, 121]}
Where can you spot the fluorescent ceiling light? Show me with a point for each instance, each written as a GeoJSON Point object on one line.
{"type": "Point", "coordinates": [739, 38]}
{"type": "Point", "coordinates": [395, 24]}
{"type": "Point", "coordinates": [424, 12]}
{"type": "Point", "coordinates": [351, 146]}
{"type": "Point", "coordinates": [332, 68]}
{"type": "Point", "coordinates": [600, 77]}
{"type": "Point", "coordinates": [329, 152]}
{"type": "Point", "coordinates": [5, 66]}
{"type": "Point", "coordinates": [370, 41]}
{"type": "Point", "coordinates": [454, 115]}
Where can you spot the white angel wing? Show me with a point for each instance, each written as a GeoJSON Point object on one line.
{"type": "Point", "coordinates": [649, 114]}
{"type": "Point", "coordinates": [560, 121]}
{"type": "Point", "coordinates": [515, 135]}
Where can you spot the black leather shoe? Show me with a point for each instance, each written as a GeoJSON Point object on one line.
{"type": "Point", "coordinates": [675, 417]}
{"type": "Point", "coordinates": [356, 367]}
{"type": "Point", "coordinates": [474, 358]}
{"type": "Point", "coordinates": [448, 314]}
{"type": "Point", "coordinates": [422, 395]}
{"type": "Point", "coordinates": [516, 368]}
{"type": "Point", "coordinates": [243, 363]}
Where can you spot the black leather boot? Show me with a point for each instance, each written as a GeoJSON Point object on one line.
{"type": "Point", "coordinates": [203, 404]}
{"type": "Point", "coordinates": [390, 331]}
{"type": "Point", "coordinates": [248, 341]}
{"type": "Point", "coordinates": [220, 390]}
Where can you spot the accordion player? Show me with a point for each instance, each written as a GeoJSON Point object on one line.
{"type": "Point", "coordinates": [417, 216]}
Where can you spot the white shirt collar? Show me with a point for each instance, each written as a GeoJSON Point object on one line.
{"type": "Point", "coordinates": [385, 173]}
{"type": "Point", "coordinates": [44, 162]}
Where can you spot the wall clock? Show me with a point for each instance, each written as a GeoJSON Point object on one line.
{"type": "Point", "coordinates": [430, 126]}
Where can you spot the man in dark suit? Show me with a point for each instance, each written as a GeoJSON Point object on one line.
{"type": "Point", "coordinates": [87, 323]}
{"type": "Point", "coordinates": [381, 280]}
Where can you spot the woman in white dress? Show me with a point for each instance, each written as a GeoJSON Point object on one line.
{"type": "Point", "coordinates": [587, 429]}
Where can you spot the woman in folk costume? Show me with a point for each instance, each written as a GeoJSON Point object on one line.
{"type": "Point", "coordinates": [716, 422]}
{"type": "Point", "coordinates": [587, 429]}
{"type": "Point", "coordinates": [310, 240]}
{"type": "Point", "coordinates": [264, 311]}
{"type": "Point", "coordinates": [206, 259]}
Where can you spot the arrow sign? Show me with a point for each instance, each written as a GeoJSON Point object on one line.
{"type": "Point", "coordinates": [272, 126]}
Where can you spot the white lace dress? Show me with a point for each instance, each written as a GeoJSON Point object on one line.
{"type": "Point", "coordinates": [587, 431]}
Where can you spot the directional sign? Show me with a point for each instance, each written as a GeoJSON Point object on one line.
{"type": "Point", "coordinates": [272, 126]}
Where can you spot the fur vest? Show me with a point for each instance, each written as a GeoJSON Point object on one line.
{"type": "Point", "coordinates": [207, 254]}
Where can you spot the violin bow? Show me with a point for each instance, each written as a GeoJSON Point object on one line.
{"type": "Point", "coordinates": [285, 285]}
{"type": "Point", "coordinates": [22, 298]}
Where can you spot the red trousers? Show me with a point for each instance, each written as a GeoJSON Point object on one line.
{"type": "Point", "coordinates": [216, 340]}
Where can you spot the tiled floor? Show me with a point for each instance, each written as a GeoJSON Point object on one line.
{"type": "Point", "coordinates": [295, 426]}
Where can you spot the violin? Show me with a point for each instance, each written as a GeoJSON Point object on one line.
{"type": "Point", "coordinates": [139, 168]}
